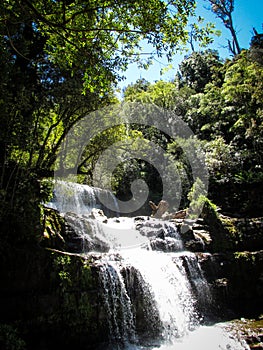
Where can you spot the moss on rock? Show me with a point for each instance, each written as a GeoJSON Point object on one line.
{"type": "Point", "coordinates": [53, 298]}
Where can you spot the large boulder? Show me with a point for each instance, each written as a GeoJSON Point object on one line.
{"type": "Point", "coordinates": [236, 279]}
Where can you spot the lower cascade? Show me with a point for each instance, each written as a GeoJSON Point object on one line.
{"type": "Point", "coordinates": [154, 298]}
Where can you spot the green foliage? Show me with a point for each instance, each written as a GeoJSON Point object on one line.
{"type": "Point", "coordinates": [46, 189]}
{"type": "Point", "coordinates": [202, 34]}
{"type": "Point", "coordinates": [137, 88]}
{"type": "Point", "coordinates": [242, 94]}
{"type": "Point", "coordinates": [102, 37]}
{"type": "Point", "coordinates": [62, 265]}
{"type": "Point", "coordinates": [222, 159]}
{"type": "Point", "coordinates": [75, 282]}
{"type": "Point", "coordinates": [255, 176]}
{"type": "Point", "coordinates": [210, 211]}
{"type": "Point", "coordinates": [231, 114]}
{"type": "Point", "coordinates": [246, 257]}
{"type": "Point", "coordinates": [164, 94]}
{"type": "Point", "coordinates": [161, 93]}
{"type": "Point", "coordinates": [230, 226]}
{"type": "Point", "coordinates": [98, 145]}
{"type": "Point", "coordinates": [10, 339]}
{"type": "Point", "coordinates": [59, 62]}
{"type": "Point", "coordinates": [222, 104]}
{"type": "Point", "coordinates": [53, 61]}
{"type": "Point", "coordinates": [20, 207]}
{"type": "Point", "coordinates": [197, 198]}
{"type": "Point", "coordinates": [197, 69]}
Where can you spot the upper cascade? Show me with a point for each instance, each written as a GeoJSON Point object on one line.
{"type": "Point", "coordinates": [81, 199]}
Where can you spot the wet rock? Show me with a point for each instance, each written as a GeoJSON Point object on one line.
{"type": "Point", "coordinates": [185, 228]}
{"type": "Point", "coordinates": [221, 282]}
{"type": "Point", "coordinates": [189, 222]}
{"type": "Point", "coordinates": [250, 330]}
{"type": "Point", "coordinates": [147, 318]}
{"type": "Point", "coordinates": [98, 215]}
{"type": "Point", "coordinates": [200, 221]}
{"type": "Point", "coordinates": [204, 236]}
{"type": "Point", "coordinates": [168, 244]}
{"type": "Point", "coordinates": [83, 234]}
{"type": "Point", "coordinates": [158, 244]}
{"type": "Point", "coordinates": [140, 218]}
{"type": "Point", "coordinates": [197, 226]}
{"type": "Point", "coordinates": [196, 245]}
{"type": "Point", "coordinates": [54, 229]}
{"type": "Point", "coordinates": [181, 214]}
{"type": "Point", "coordinates": [177, 221]}
{"type": "Point", "coordinates": [149, 228]}
{"type": "Point", "coordinates": [161, 234]}
{"type": "Point", "coordinates": [171, 231]}
{"type": "Point", "coordinates": [186, 233]}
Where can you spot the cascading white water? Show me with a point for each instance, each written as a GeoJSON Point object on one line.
{"type": "Point", "coordinates": [198, 282]}
{"type": "Point", "coordinates": [117, 304]}
{"type": "Point", "coordinates": [174, 299]}
{"type": "Point", "coordinates": [79, 199]}
{"type": "Point", "coordinates": [172, 286]}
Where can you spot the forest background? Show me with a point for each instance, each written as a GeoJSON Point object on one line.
{"type": "Point", "coordinates": [61, 60]}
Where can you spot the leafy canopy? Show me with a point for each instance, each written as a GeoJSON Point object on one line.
{"type": "Point", "coordinates": [101, 37]}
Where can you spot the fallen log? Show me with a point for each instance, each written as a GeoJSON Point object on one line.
{"type": "Point", "coordinates": [160, 211]}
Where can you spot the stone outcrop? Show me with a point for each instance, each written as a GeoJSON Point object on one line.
{"type": "Point", "coordinates": [65, 232]}
{"type": "Point", "coordinates": [176, 234]}
{"type": "Point", "coordinates": [54, 298]}
{"type": "Point", "coordinates": [232, 233]}
{"type": "Point", "coordinates": [147, 318]}
{"type": "Point", "coordinates": [236, 280]}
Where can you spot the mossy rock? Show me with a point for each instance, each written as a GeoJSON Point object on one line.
{"type": "Point", "coordinates": [230, 234]}
{"type": "Point", "coordinates": [53, 229]}
{"type": "Point", "coordinates": [222, 238]}
{"type": "Point", "coordinates": [52, 298]}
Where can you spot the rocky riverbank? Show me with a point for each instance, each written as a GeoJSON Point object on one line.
{"type": "Point", "coordinates": [52, 295]}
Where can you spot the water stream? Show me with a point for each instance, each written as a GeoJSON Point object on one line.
{"type": "Point", "coordinates": [153, 299]}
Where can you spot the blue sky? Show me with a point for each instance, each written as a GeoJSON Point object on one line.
{"type": "Point", "coordinates": [247, 14]}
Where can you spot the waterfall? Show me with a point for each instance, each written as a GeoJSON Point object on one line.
{"type": "Point", "coordinates": [153, 292]}
{"type": "Point", "coordinates": [198, 283]}
{"type": "Point", "coordinates": [171, 289]}
{"type": "Point", "coordinates": [117, 304]}
{"type": "Point", "coordinates": [81, 199]}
